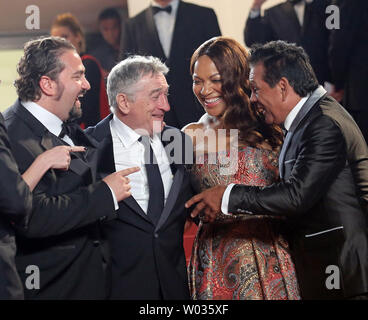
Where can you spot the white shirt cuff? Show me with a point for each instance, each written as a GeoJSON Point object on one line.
{"type": "Point", "coordinates": [116, 204]}
{"type": "Point", "coordinates": [254, 13]}
{"type": "Point", "coordinates": [225, 199]}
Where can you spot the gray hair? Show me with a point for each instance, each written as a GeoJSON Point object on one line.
{"type": "Point", "coordinates": [128, 72]}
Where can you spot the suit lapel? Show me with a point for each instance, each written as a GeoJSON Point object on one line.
{"type": "Point", "coordinates": [153, 37]}
{"type": "Point", "coordinates": [293, 22]}
{"type": "Point", "coordinates": [179, 31]}
{"type": "Point", "coordinates": [107, 161]}
{"type": "Point", "coordinates": [315, 96]}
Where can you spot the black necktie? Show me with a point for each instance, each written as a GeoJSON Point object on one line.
{"type": "Point", "coordinates": [155, 185]}
{"type": "Point", "coordinates": [159, 9]}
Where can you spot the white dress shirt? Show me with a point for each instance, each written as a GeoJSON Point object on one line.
{"type": "Point", "coordinates": [48, 119]}
{"type": "Point", "coordinates": [165, 24]}
{"type": "Point", "coordinates": [129, 152]}
{"type": "Point", "coordinates": [287, 124]}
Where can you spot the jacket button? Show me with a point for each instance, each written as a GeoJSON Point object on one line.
{"type": "Point", "coordinates": [156, 235]}
{"type": "Point", "coordinates": [103, 218]}
{"type": "Point", "coordinates": [96, 243]}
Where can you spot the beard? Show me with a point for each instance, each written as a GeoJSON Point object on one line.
{"type": "Point", "coordinates": [75, 113]}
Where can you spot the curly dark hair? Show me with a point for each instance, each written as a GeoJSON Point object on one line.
{"type": "Point", "coordinates": [232, 62]}
{"type": "Point", "coordinates": [41, 58]}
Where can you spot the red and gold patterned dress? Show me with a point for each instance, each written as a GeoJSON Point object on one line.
{"type": "Point", "coordinates": [244, 256]}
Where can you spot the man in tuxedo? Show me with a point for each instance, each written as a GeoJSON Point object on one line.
{"type": "Point", "coordinates": [172, 30]}
{"type": "Point", "coordinates": [347, 57]}
{"type": "Point", "coordinates": [323, 164]}
{"type": "Point", "coordinates": [146, 240]}
{"type": "Point", "coordinates": [15, 207]}
{"type": "Point", "coordinates": [61, 254]}
{"type": "Point", "coordinates": [295, 21]}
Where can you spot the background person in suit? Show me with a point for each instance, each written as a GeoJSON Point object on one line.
{"type": "Point", "coordinates": [62, 237]}
{"type": "Point", "coordinates": [172, 35]}
{"type": "Point", "coordinates": [323, 165]}
{"type": "Point", "coordinates": [146, 240]}
{"type": "Point", "coordinates": [347, 57]}
{"type": "Point", "coordinates": [16, 204]}
{"type": "Point", "coordinates": [295, 21]}
{"type": "Point", "coordinates": [107, 51]}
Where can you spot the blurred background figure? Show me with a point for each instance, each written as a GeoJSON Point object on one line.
{"type": "Point", "coordinates": [108, 49]}
{"type": "Point", "coordinates": [172, 30]}
{"type": "Point", "coordinates": [95, 105]}
{"type": "Point", "coordinates": [295, 21]}
{"type": "Point", "coordinates": [347, 57]}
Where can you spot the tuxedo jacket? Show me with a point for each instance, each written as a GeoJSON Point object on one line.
{"type": "Point", "coordinates": [281, 23]}
{"type": "Point", "coordinates": [15, 207]}
{"type": "Point", "coordinates": [323, 196]}
{"type": "Point", "coordinates": [148, 260]}
{"type": "Point", "coordinates": [63, 237]}
{"type": "Point", "coordinates": [348, 50]}
{"type": "Point", "coordinates": [194, 25]}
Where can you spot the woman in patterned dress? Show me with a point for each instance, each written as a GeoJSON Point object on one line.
{"type": "Point", "coordinates": [242, 256]}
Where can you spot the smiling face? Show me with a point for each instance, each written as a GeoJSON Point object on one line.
{"type": "Point", "coordinates": [268, 100]}
{"type": "Point", "coordinates": [146, 111]}
{"type": "Point", "coordinates": [207, 86]}
{"type": "Point", "coordinates": [70, 86]}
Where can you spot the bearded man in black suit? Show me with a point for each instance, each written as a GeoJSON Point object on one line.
{"type": "Point", "coordinates": [172, 30]}
{"type": "Point", "coordinates": [323, 164]}
{"type": "Point", "coordinates": [62, 239]}
{"type": "Point", "coordinates": [146, 240]}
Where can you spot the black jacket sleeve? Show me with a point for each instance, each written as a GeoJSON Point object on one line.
{"type": "Point", "coordinates": [15, 196]}
{"type": "Point", "coordinates": [322, 156]}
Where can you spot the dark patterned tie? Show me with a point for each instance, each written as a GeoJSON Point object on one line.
{"type": "Point", "coordinates": [159, 9]}
{"type": "Point", "coordinates": [155, 184]}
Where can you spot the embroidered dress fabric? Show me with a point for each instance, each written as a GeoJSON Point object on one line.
{"type": "Point", "coordinates": [242, 257]}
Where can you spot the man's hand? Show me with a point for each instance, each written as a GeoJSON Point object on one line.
{"type": "Point", "coordinates": [257, 4]}
{"type": "Point", "coordinates": [119, 183]}
{"type": "Point", "coordinates": [208, 203]}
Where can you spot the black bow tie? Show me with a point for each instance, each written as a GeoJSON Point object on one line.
{"type": "Point", "coordinates": [158, 9]}
{"type": "Point", "coordinates": [67, 128]}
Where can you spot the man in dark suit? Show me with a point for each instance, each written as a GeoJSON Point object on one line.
{"type": "Point", "coordinates": [295, 21]}
{"type": "Point", "coordinates": [62, 241]}
{"type": "Point", "coordinates": [323, 193]}
{"type": "Point", "coordinates": [173, 36]}
{"type": "Point", "coordinates": [146, 240]}
{"type": "Point", "coordinates": [347, 57]}
{"type": "Point", "coordinates": [15, 206]}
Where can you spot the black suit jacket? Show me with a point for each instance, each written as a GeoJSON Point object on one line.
{"type": "Point", "coordinates": [324, 196]}
{"type": "Point", "coordinates": [148, 260]}
{"type": "Point", "coordinates": [62, 238]}
{"type": "Point", "coordinates": [348, 51]}
{"type": "Point", "coordinates": [281, 23]}
{"type": "Point", "coordinates": [193, 26]}
{"type": "Point", "coordinates": [15, 207]}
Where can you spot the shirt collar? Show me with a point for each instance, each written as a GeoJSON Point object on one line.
{"type": "Point", "coordinates": [48, 119]}
{"type": "Point", "coordinates": [292, 114]}
{"type": "Point", "coordinates": [174, 5]}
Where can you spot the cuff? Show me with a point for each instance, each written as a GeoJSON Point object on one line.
{"type": "Point", "coordinates": [116, 205]}
{"type": "Point", "coordinates": [254, 13]}
{"type": "Point", "coordinates": [225, 199]}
